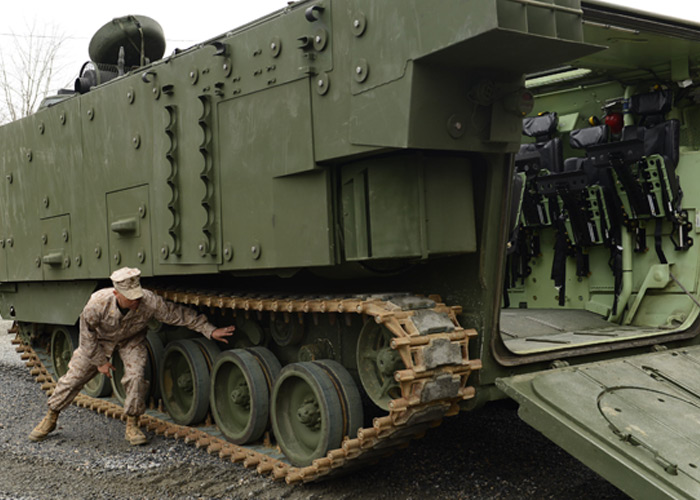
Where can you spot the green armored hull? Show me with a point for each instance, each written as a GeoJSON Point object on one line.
{"type": "Point", "coordinates": [346, 180]}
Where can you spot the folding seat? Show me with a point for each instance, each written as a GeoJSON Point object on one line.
{"type": "Point", "coordinates": [528, 209]}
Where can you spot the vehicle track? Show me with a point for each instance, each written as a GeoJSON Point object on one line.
{"type": "Point", "coordinates": [426, 334]}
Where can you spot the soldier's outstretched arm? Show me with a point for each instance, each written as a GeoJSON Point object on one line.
{"type": "Point", "coordinates": [220, 334]}
{"type": "Point", "coordinates": [179, 315]}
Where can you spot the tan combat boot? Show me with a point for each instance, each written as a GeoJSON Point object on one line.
{"type": "Point", "coordinates": [47, 425]}
{"type": "Point", "coordinates": [133, 433]}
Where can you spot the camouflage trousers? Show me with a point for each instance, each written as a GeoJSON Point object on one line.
{"type": "Point", "coordinates": [81, 370]}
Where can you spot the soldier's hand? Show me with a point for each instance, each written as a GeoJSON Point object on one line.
{"type": "Point", "coordinates": [105, 369]}
{"type": "Point", "coordinates": [220, 334]}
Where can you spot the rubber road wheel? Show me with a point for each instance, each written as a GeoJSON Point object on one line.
{"type": "Point", "coordinates": [98, 386]}
{"type": "Point", "coordinates": [269, 363]}
{"type": "Point", "coordinates": [154, 346]}
{"type": "Point", "coordinates": [376, 364]}
{"type": "Point", "coordinates": [184, 382]}
{"type": "Point", "coordinates": [353, 415]}
{"type": "Point", "coordinates": [117, 388]}
{"type": "Point", "coordinates": [209, 348]}
{"type": "Point", "coordinates": [240, 396]}
{"type": "Point", "coordinates": [155, 362]}
{"type": "Point", "coordinates": [64, 340]}
{"type": "Point", "coordinates": [307, 415]}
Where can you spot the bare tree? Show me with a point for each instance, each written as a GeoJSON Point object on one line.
{"type": "Point", "coordinates": [28, 67]}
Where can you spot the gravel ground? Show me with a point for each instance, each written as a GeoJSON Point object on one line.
{"type": "Point", "coordinates": [489, 454]}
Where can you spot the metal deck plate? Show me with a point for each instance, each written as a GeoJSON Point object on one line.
{"type": "Point", "coordinates": [528, 331]}
{"type": "Point", "coordinates": [635, 421]}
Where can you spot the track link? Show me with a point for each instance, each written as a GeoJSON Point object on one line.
{"type": "Point", "coordinates": [426, 334]}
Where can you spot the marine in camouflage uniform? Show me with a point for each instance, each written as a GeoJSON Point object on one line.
{"type": "Point", "coordinates": [116, 319]}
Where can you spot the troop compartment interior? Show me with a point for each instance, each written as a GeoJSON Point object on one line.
{"type": "Point", "coordinates": [603, 214]}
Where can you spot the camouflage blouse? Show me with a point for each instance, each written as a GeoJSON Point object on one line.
{"type": "Point", "coordinates": [103, 327]}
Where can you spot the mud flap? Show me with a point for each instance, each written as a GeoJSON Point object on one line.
{"type": "Point", "coordinates": [635, 421]}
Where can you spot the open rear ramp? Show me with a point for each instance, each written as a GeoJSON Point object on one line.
{"type": "Point", "coordinates": [635, 421]}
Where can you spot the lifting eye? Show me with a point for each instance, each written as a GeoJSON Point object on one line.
{"type": "Point", "coordinates": [221, 48]}
{"type": "Point", "coordinates": [313, 13]}
{"type": "Point", "coordinates": [148, 76]}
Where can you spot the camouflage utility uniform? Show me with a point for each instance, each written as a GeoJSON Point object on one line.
{"type": "Point", "coordinates": [104, 329]}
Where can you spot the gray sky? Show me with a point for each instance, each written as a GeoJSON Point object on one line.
{"type": "Point", "coordinates": [184, 23]}
{"type": "Point", "coordinates": [184, 26]}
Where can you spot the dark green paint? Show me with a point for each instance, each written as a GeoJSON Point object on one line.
{"type": "Point", "coordinates": [370, 149]}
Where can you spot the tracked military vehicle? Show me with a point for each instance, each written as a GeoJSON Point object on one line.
{"type": "Point", "coordinates": [408, 209]}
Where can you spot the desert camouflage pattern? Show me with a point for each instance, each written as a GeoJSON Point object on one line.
{"type": "Point", "coordinates": [126, 281]}
{"type": "Point", "coordinates": [104, 329]}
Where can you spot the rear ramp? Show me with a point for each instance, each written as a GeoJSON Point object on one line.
{"type": "Point", "coordinates": [635, 421]}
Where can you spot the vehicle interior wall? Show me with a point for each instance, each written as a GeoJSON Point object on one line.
{"type": "Point", "coordinates": [603, 246]}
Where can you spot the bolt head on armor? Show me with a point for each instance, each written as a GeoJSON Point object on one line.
{"type": "Point", "coordinates": [126, 281]}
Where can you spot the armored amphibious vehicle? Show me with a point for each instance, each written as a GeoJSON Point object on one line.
{"type": "Point", "coordinates": [407, 208]}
